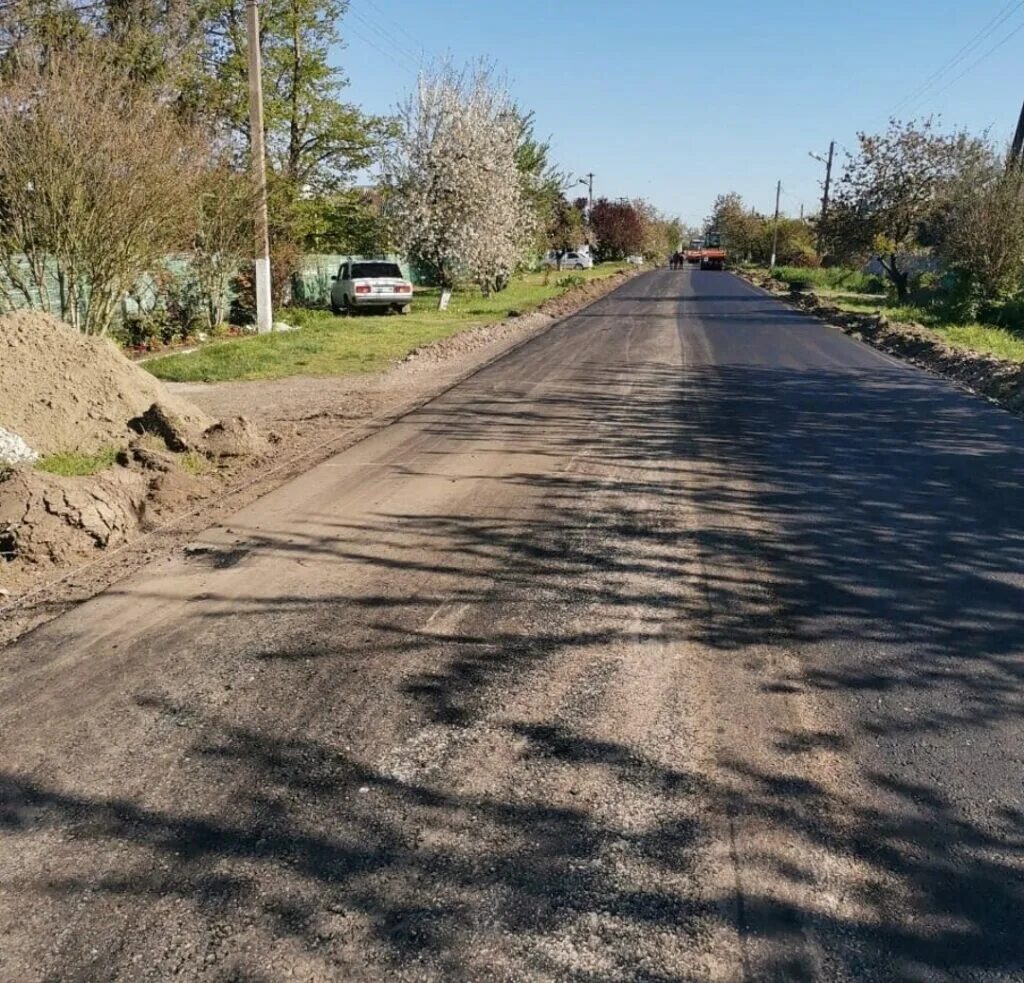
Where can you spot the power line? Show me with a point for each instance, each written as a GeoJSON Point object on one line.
{"type": "Point", "coordinates": [417, 45]}
{"type": "Point", "coordinates": [986, 31]}
{"type": "Point", "coordinates": [387, 54]}
{"type": "Point", "coordinates": [387, 38]}
{"type": "Point", "coordinates": [974, 64]}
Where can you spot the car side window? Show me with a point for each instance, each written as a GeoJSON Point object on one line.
{"type": "Point", "coordinates": [343, 272]}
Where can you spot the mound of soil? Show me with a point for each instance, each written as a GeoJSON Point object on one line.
{"type": "Point", "coordinates": [48, 519]}
{"type": "Point", "coordinates": [64, 391]}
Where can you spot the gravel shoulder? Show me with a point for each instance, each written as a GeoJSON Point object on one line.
{"type": "Point", "coordinates": [308, 419]}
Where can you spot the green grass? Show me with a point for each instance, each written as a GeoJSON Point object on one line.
{"type": "Point", "coordinates": [329, 345]}
{"type": "Point", "coordinates": [72, 464]}
{"type": "Point", "coordinates": [832, 278]}
{"type": "Point", "coordinates": [864, 293]}
{"type": "Point", "coordinates": [193, 463]}
{"type": "Point", "coordinates": [989, 339]}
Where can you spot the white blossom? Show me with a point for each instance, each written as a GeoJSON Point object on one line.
{"type": "Point", "coordinates": [457, 199]}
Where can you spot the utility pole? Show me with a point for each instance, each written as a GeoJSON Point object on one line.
{"type": "Point", "coordinates": [775, 224]}
{"type": "Point", "coordinates": [825, 195]}
{"type": "Point", "coordinates": [589, 182]}
{"type": "Point", "coordinates": [264, 314]}
{"type": "Point", "coordinates": [1017, 150]}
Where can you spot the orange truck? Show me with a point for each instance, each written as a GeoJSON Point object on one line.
{"type": "Point", "coordinates": [713, 255]}
{"type": "Point", "coordinates": [692, 254]}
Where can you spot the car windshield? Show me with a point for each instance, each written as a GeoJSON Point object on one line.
{"type": "Point", "coordinates": [371, 270]}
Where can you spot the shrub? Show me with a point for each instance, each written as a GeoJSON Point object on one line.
{"type": "Point", "coordinates": [834, 278]}
{"type": "Point", "coordinates": [805, 258]}
{"type": "Point", "coordinates": [1009, 314]}
{"type": "Point", "coordinates": [571, 281]}
{"type": "Point", "coordinates": [147, 329]}
{"type": "Point", "coordinates": [285, 263]}
{"type": "Point", "coordinates": [185, 307]}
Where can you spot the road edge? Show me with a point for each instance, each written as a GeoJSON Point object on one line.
{"type": "Point", "coordinates": [45, 602]}
{"type": "Point", "coordinates": [996, 381]}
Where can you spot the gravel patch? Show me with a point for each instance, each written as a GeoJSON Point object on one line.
{"type": "Point", "coordinates": [14, 450]}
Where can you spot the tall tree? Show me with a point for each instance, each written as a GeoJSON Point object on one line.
{"type": "Point", "coordinates": [33, 30]}
{"type": "Point", "coordinates": [893, 188]}
{"type": "Point", "coordinates": [457, 195]}
{"type": "Point", "coordinates": [565, 229]}
{"type": "Point", "coordinates": [542, 181]}
{"type": "Point", "coordinates": [739, 225]}
{"type": "Point", "coordinates": [618, 227]}
{"type": "Point", "coordinates": [315, 141]}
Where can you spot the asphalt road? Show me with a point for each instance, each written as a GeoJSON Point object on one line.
{"type": "Point", "coordinates": [684, 643]}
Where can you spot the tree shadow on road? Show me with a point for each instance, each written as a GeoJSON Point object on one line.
{"type": "Point", "coordinates": [867, 523]}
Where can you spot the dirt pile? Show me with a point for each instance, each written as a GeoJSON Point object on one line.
{"type": "Point", "coordinates": [46, 519]}
{"type": "Point", "coordinates": [1000, 380]}
{"type": "Point", "coordinates": [63, 391]}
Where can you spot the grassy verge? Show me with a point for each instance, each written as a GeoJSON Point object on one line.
{"type": "Point", "coordinates": [329, 345]}
{"type": "Point", "coordinates": [864, 293]}
{"type": "Point", "coordinates": [989, 339]}
{"type": "Point", "coordinates": [72, 464]}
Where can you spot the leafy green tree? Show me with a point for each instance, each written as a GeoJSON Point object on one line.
{"type": "Point", "coordinates": [542, 185]}
{"type": "Point", "coordinates": [894, 188]}
{"type": "Point", "coordinates": [795, 244]}
{"type": "Point", "coordinates": [566, 226]}
{"type": "Point", "coordinates": [315, 141]}
{"type": "Point", "coordinates": [740, 227]}
{"type": "Point", "coordinates": [33, 30]}
{"type": "Point", "coordinates": [981, 236]}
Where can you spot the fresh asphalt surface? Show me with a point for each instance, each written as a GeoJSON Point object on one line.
{"type": "Point", "coordinates": [686, 642]}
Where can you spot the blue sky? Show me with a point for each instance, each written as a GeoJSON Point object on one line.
{"type": "Point", "coordinates": [677, 100]}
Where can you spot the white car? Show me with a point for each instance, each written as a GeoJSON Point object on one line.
{"type": "Point", "coordinates": [570, 261]}
{"type": "Point", "coordinates": [365, 284]}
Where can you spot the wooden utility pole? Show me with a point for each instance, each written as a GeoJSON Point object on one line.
{"type": "Point", "coordinates": [264, 314]}
{"type": "Point", "coordinates": [1017, 149]}
{"type": "Point", "coordinates": [825, 195]}
{"type": "Point", "coordinates": [589, 182]}
{"type": "Point", "coordinates": [775, 224]}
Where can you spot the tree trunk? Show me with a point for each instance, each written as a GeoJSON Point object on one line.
{"type": "Point", "coordinates": [900, 279]}
{"type": "Point", "coordinates": [294, 131]}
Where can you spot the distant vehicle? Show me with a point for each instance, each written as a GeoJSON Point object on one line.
{"type": "Point", "coordinates": [636, 260]}
{"type": "Point", "coordinates": [366, 284]}
{"type": "Point", "coordinates": [692, 254]}
{"type": "Point", "coordinates": [713, 255]}
{"type": "Point", "coordinates": [574, 260]}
